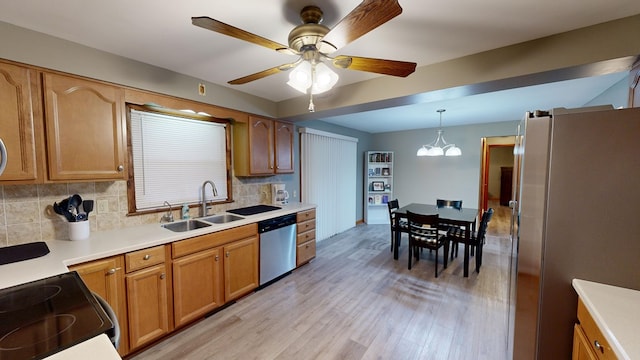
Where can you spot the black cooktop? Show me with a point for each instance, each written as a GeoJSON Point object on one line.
{"type": "Point", "coordinates": [252, 210]}
{"type": "Point", "coordinates": [40, 318]}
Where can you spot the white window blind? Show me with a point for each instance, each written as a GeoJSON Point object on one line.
{"type": "Point", "coordinates": [173, 156]}
{"type": "Point", "coordinates": [328, 179]}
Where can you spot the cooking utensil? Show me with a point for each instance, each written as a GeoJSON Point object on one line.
{"type": "Point", "coordinates": [74, 201]}
{"type": "Point", "coordinates": [63, 209]}
{"type": "Point", "coordinates": [87, 206]}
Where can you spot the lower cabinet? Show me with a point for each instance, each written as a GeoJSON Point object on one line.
{"type": "Point", "coordinates": [306, 238]}
{"type": "Point", "coordinates": [241, 267]}
{"type": "Point", "coordinates": [148, 289]}
{"type": "Point", "coordinates": [197, 285]}
{"type": "Point", "coordinates": [105, 277]}
{"type": "Point", "coordinates": [588, 340]}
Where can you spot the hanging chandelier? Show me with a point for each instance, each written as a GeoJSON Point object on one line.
{"type": "Point", "coordinates": [439, 147]}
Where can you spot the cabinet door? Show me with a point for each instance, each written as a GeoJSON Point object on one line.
{"type": "Point", "coordinates": [283, 147]}
{"type": "Point", "coordinates": [105, 277]}
{"type": "Point", "coordinates": [260, 145]}
{"type": "Point", "coordinates": [197, 285]}
{"type": "Point", "coordinates": [147, 305]}
{"type": "Point", "coordinates": [240, 267]}
{"type": "Point", "coordinates": [20, 122]}
{"type": "Point", "coordinates": [581, 348]}
{"type": "Point", "coordinates": [84, 129]}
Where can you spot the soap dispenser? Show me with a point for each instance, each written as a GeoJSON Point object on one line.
{"type": "Point", "coordinates": [185, 211]}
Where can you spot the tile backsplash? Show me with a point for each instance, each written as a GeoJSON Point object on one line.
{"type": "Point", "coordinates": [26, 212]}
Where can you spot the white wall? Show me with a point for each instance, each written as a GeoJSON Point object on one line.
{"type": "Point", "coordinates": [423, 179]}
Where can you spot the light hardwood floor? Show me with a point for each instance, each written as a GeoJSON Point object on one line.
{"type": "Point", "coordinates": [355, 302]}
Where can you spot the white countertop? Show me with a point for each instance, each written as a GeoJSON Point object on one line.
{"type": "Point", "coordinates": [96, 348]}
{"type": "Point", "coordinates": [64, 253]}
{"type": "Point", "coordinates": [616, 311]}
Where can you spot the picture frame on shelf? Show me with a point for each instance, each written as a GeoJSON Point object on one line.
{"type": "Point", "coordinates": [386, 172]}
{"type": "Point", "coordinates": [377, 185]}
{"type": "Point", "coordinates": [377, 199]}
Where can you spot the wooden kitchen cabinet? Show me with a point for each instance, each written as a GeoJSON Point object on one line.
{"type": "Point", "coordinates": [197, 284]}
{"type": "Point", "coordinates": [85, 134]}
{"type": "Point", "coordinates": [588, 340]}
{"type": "Point", "coordinates": [148, 295]}
{"type": "Point", "coordinates": [241, 267]}
{"type": "Point", "coordinates": [105, 277]}
{"type": "Point", "coordinates": [21, 124]}
{"type": "Point", "coordinates": [306, 238]}
{"type": "Point", "coordinates": [262, 147]}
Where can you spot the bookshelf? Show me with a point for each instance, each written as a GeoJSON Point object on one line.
{"type": "Point", "coordinates": [378, 175]}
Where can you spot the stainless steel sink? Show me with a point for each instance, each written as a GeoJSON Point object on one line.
{"type": "Point", "coordinates": [181, 226]}
{"type": "Point", "coordinates": [222, 218]}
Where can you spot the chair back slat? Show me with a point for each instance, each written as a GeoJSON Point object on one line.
{"type": "Point", "coordinates": [442, 203]}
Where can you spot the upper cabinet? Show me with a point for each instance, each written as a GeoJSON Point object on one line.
{"type": "Point", "coordinates": [20, 124]}
{"type": "Point", "coordinates": [84, 123]}
{"type": "Point", "coordinates": [262, 147]}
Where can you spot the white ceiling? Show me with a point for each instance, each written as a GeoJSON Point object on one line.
{"type": "Point", "coordinates": [426, 33]}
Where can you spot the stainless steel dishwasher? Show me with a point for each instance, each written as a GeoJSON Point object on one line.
{"type": "Point", "coordinates": [277, 247]}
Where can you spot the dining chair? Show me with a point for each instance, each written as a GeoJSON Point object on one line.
{"type": "Point", "coordinates": [456, 204]}
{"type": "Point", "coordinates": [476, 240]}
{"type": "Point", "coordinates": [425, 232]}
{"type": "Point", "coordinates": [401, 225]}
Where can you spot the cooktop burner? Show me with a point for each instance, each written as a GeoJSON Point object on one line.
{"type": "Point", "coordinates": [252, 210]}
{"type": "Point", "coordinates": [40, 318]}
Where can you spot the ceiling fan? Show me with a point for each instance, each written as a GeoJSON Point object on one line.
{"type": "Point", "coordinates": [314, 42]}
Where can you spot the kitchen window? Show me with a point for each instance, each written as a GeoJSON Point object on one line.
{"type": "Point", "coordinates": [172, 154]}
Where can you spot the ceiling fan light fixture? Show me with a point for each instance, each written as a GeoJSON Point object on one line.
{"type": "Point", "coordinates": [439, 146]}
{"type": "Point", "coordinates": [319, 77]}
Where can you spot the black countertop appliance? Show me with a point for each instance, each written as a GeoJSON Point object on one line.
{"type": "Point", "coordinates": [42, 317]}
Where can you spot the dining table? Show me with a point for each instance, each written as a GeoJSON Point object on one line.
{"type": "Point", "coordinates": [461, 217]}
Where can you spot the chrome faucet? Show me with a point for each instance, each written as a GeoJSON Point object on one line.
{"type": "Point", "coordinates": [168, 216]}
{"type": "Point", "coordinates": [203, 207]}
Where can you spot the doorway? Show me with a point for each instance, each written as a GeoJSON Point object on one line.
{"type": "Point", "coordinates": [496, 174]}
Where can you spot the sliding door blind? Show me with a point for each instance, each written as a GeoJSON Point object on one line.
{"type": "Point", "coordinates": [328, 179]}
{"type": "Point", "coordinates": [173, 156]}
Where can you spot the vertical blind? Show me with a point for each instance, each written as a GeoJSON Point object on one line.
{"type": "Point", "coordinates": [328, 179]}
{"type": "Point", "coordinates": [173, 156]}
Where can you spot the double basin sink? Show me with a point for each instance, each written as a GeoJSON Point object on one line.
{"type": "Point", "coordinates": [192, 224]}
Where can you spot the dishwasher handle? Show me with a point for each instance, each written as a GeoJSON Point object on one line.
{"type": "Point", "coordinates": [276, 223]}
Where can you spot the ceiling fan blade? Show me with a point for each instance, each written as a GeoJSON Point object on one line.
{"type": "Point", "coordinates": [208, 23]}
{"type": "Point", "coordinates": [263, 73]}
{"type": "Point", "coordinates": [365, 17]}
{"type": "Point", "coordinates": [379, 66]}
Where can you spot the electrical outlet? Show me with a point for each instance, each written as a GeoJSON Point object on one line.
{"type": "Point", "coordinates": [103, 206]}
{"type": "Point", "coordinates": [295, 193]}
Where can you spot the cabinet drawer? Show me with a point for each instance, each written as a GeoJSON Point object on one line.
{"type": "Point", "coordinates": [305, 252]}
{"type": "Point", "coordinates": [208, 241]}
{"type": "Point", "coordinates": [593, 334]}
{"type": "Point", "coordinates": [306, 226]}
{"type": "Point", "coordinates": [306, 236]}
{"type": "Point", "coordinates": [306, 215]}
{"type": "Point", "coordinates": [143, 258]}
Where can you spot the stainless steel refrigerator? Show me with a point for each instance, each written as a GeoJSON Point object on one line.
{"type": "Point", "coordinates": [576, 214]}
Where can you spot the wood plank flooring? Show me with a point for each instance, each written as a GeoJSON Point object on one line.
{"type": "Point", "coordinates": [355, 302]}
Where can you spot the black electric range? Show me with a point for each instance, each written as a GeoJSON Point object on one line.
{"type": "Point", "coordinates": [40, 318]}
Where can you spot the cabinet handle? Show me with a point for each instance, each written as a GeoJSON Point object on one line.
{"type": "Point", "coordinates": [112, 271]}
{"type": "Point", "coordinates": [146, 257]}
{"type": "Point", "coordinates": [120, 168]}
{"type": "Point", "coordinates": [227, 254]}
{"type": "Point", "coordinates": [217, 257]}
{"type": "Point", "coordinates": [162, 276]}
{"type": "Point", "coordinates": [597, 345]}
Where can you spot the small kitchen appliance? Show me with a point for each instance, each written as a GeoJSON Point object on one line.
{"type": "Point", "coordinates": [279, 196]}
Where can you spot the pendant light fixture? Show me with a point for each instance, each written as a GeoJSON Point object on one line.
{"type": "Point", "coordinates": [439, 147]}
